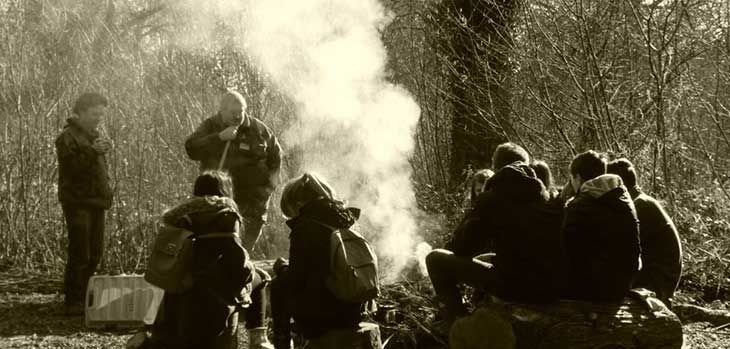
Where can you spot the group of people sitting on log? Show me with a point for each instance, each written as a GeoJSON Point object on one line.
{"type": "Point", "coordinates": [523, 240]}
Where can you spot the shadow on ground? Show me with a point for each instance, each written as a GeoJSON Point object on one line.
{"type": "Point", "coordinates": [39, 315]}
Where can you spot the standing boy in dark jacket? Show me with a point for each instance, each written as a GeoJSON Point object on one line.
{"type": "Point", "coordinates": [512, 219]}
{"type": "Point", "coordinates": [661, 249]}
{"type": "Point", "coordinates": [253, 159]}
{"type": "Point", "coordinates": [601, 233]}
{"type": "Point", "coordinates": [84, 193]}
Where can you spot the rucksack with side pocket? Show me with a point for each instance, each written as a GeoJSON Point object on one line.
{"type": "Point", "coordinates": [170, 266]}
{"type": "Point", "coordinates": [353, 267]}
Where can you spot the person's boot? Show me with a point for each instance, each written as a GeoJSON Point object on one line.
{"type": "Point", "coordinates": [257, 339]}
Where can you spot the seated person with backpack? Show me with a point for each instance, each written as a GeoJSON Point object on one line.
{"type": "Point", "coordinates": [661, 250]}
{"type": "Point", "coordinates": [203, 312]}
{"type": "Point", "coordinates": [512, 219]}
{"type": "Point", "coordinates": [600, 232]}
{"type": "Point", "coordinates": [312, 289]}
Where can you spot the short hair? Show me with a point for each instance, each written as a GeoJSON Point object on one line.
{"type": "Point", "coordinates": [88, 100]}
{"type": "Point", "coordinates": [507, 153]}
{"type": "Point", "coordinates": [213, 183]}
{"type": "Point", "coordinates": [230, 96]}
{"type": "Point", "coordinates": [543, 173]}
{"type": "Point", "coordinates": [624, 169]}
{"type": "Point", "coordinates": [588, 165]}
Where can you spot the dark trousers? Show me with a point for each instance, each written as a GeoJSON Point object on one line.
{"type": "Point", "coordinates": [85, 228]}
{"type": "Point", "coordinates": [447, 271]}
{"type": "Point", "coordinates": [281, 309]}
{"type": "Point", "coordinates": [255, 314]}
{"type": "Point", "coordinates": [254, 216]}
{"type": "Point", "coordinates": [186, 321]}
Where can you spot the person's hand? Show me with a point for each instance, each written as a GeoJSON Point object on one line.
{"type": "Point", "coordinates": [102, 145]}
{"type": "Point", "coordinates": [228, 134]}
{"type": "Point", "coordinates": [485, 257]}
{"type": "Point", "coordinates": [280, 265]}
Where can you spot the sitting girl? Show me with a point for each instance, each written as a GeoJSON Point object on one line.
{"type": "Point", "coordinates": [206, 316]}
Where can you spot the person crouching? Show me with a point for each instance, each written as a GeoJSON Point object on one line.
{"type": "Point", "coordinates": [206, 316]}
{"type": "Point", "coordinates": [299, 290]}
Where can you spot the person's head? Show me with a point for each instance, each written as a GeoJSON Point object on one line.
{"type": "Point", "coordinates": [507, 153]}
{"type": "Point", "coordinates": [90, 109]}
{"type": "Point", "coordinates": [213, 183]}
{"type": "Point", "coordinates": [624, 169]}
{"type": "Point", "coordinates": [232, 108]}
{"type": "Point", "coordinates": [478, 182]}
{"type": "Point", "coordinates": [302, 190]}
{"type": "Point", "coordinates": [586, 166]}
{"type": "Point", "coordinates": [543, 173]}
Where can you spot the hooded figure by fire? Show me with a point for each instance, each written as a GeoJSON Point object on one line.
{"type": "Point", "coordinates": [299, 290]}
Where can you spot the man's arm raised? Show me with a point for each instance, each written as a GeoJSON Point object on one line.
{"type": "Point", "coordinates": [203, 142]}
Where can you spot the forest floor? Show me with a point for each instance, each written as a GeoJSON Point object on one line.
{"type": "Point", "coordinates": [31, 317]}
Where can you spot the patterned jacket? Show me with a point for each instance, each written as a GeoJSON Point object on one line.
{"type": "Point", "coordinates": [82, 172]}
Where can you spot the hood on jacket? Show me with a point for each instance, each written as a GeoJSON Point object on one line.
{"type": "Point", "coordinates": [300, 191]}
{"type": "Point", "coordinates": [199, 204]}
{"type": "Point", "coordinates": [601, 185]}
{"type": "Point", "coordinates": [327, 211]}
{"type": "Point", "coordinates": [518, 182]}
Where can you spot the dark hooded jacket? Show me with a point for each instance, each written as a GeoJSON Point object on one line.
{"type": "Point", "coordinates": [316, 310]}
{"type": "Point", "coordinates": [201, 317]}
{"type": "Point", "coordinates": [82, 173]}
{"type": "Point", "coordinates": [661, 249]}
{"type": "Point", "coordinates": [253, 159]}
{"type": "Point", "coordinates": [513, 219]}
{"type": "Point", "coordinates": [601, 234]}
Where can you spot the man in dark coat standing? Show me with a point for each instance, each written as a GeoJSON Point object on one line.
{"type": "Point", "coordinates": [661, 249]}
{"type": "Point", "coordinates": [84, 193]}
{"type": "Point", "coordinates": [244, 146]}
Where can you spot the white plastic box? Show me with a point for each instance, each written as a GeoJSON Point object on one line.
{"type": "Point", "coordinates": [121, 301]}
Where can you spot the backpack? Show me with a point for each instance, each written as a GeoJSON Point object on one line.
{"type": "Point", "coordinates": [170, 266]}
{"type": "Point", "coordinates": [353, 267]}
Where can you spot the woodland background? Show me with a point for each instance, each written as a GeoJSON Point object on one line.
{"type": "Point", "coordinates": [649, 80]}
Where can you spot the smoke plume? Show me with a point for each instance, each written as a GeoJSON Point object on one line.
{"type": "Point", "coordinates": [353, 126]}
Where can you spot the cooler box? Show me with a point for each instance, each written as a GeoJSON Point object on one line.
{"type": "Point", "coordinates": [121, 301]}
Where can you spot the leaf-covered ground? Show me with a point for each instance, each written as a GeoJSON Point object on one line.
{"type": "Point", "coordinates": [31, 317]}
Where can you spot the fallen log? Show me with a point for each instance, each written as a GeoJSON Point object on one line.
{"type": "Point", "coordinates": [635, 323]}
{"type": "Point", "coordinates": [691, 313]}
{"type": "Point", "coordinates": [365, 336]}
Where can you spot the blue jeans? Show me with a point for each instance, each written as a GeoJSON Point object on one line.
{"type": "Point", "coordinates": [85, 228]}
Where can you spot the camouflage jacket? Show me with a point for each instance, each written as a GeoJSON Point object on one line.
{"type": "Point", "coordinates": [82, 173]}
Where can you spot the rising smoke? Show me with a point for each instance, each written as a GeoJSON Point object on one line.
{"type": "Point", "coordinates": [353, 126]}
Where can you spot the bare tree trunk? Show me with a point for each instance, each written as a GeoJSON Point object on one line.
{"type": "Point", "coordinates": [479, 50]}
